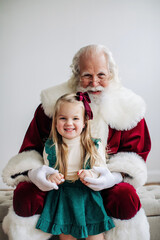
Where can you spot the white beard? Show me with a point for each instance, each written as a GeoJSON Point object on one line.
{"type": "Point", "coordinates": [99, 128]}
{"type": "Point", "coordinates": [96, 100]}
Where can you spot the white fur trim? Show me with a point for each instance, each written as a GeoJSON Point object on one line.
{"type": "Point", "coordinates": [99, 129]}
{"type": "Point", "coordinates": [20, 163]}
{"type": "Point", "coordinates": [136, 228]}
{"type": "Point", "coordinates": [18, 228]}
{"type": "Point", "coordinates": [122, 109]}
{"type": "Point", "coordinates": [49, 97]}
{"type": "Point", "coordinates": [132, 164]}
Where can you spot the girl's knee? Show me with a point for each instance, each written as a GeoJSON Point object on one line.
{"type": "Point", "coordinates": [66, 237]}
{"type": "Point", "coordinates": [96, 237]}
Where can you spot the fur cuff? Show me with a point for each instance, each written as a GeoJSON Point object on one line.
{"type": "Point", "coordinates": [135, 228]}
{"type": "Point", "coordinates": [131, 164]}
{"type": "Point", "coordinates": [13, 172]}
{"type": "Point", "coordinates": [19, 228]}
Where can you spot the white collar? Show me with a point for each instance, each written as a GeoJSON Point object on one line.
{"type": "Point", "coordinates": [73, 141]}
{"type": "Point", "coordinates": [121, 109]}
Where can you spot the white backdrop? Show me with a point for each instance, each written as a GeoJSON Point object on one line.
{"type": "Point", "coordinates": [39, 39]}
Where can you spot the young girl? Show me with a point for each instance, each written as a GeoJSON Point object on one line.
{"type": "Point", "coordinates": [73, 210]}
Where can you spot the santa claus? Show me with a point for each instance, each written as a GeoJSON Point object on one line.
{"type": "Point", "coordinates": [118, 121]}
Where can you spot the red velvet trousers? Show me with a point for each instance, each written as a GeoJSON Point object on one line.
{"type": "Point", "coordinates": [120, 201]}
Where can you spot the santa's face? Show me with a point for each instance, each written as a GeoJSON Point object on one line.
{"type": "Point", "coordinates": [94, 73]}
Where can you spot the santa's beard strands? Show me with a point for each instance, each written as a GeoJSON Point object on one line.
{"type": "Point", "coordinates": [96, 100]}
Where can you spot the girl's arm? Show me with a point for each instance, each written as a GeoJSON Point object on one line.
{"type": "Point", "coordinates": [39, 176]}
{"type": "Point", "coordinates": [105, 178]}
{"type": "Point", "coordinates": [101, 162]}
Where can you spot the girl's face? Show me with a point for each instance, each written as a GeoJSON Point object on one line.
{"type": "Point", "coordinates": [70, 120]}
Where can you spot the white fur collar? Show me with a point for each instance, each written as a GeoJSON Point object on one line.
{"type": "Point", "coordinates": [49, 97]}
{"type": "Point", "coordinates": [122, 109]}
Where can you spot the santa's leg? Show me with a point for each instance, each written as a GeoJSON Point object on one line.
{"type": "Point", "coordinates": [18, 228]}
{"type": "Point", "coordinates": [136, 228]}
{"type": "Point", "coordinates": [28, 199]}
{"type": "Point", "coordinates": [123, 204]}
{"type": "Point", "coordinates": [20, 222]}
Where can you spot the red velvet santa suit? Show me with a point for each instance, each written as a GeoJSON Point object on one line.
{"type": "Point", "coordinates": [120, 123]}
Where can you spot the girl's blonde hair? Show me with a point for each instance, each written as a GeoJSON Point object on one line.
{"type": "Point", "coordinates": [88, 146]}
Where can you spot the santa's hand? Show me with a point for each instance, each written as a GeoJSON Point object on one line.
{"type": "Point", "coordinates": [105, 180]}
{"type": "Point", "coordinates": [39, 178]}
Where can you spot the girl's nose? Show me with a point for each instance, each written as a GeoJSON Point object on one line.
{"type": "Point", "coordinates": [69, 122]}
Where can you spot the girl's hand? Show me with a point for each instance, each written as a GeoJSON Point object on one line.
{"type": "Point", "coordinates": [105, 180]}
{"type": "Point", "coordinates": [84, 173]}
{"type": "Point", "coordinates": [57, 178]}
{"type": "Point", "coordinates": [39, 177]}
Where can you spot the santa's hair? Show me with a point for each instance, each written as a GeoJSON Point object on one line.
{"type": "Point", "coordinates": [74, 80]}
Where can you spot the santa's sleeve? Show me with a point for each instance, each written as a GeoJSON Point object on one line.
{"type": "Point", "coordinates": [30, 154]}
{"type": "Point", "coordinates": [128, 151]}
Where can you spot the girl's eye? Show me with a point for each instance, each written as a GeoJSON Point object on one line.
{"type": "Point", "coordinates": [76, 118]}
{"type": "Point", "coordinates": [62, 118]}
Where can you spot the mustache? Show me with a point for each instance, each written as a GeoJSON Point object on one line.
{"type": "Point", "coordinates": [93, 89]}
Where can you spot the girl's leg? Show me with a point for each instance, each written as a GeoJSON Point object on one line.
{"type": "Point", "coordinates": [96, 237]}
{"type": "Point", "coordinates": [66, 237]}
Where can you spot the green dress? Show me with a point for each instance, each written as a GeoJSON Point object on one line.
{"type": "Point", "coordinates": [74, 208]}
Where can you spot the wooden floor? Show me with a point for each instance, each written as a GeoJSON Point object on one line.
{"type": "Point", "coordinates": [154, 183]}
